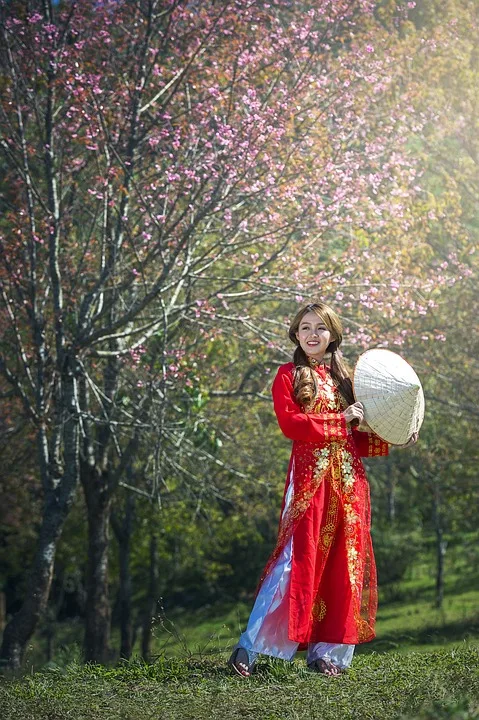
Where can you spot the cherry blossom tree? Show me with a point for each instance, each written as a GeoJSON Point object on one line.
{"type": "Point", "coordinates": [159, 158]}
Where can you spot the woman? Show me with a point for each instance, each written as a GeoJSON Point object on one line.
{"type": "Point", "coordinates": [318, 590]}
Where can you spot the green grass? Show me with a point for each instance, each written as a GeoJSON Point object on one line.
{"type": "Point", "coordinates": [409, 623]}
{"type": "Point", "coordinates": [424, 665]}
{"type": "Point", "coordinates": [419, 626]}
{"type": "Point", "coordinates": [441, 684]}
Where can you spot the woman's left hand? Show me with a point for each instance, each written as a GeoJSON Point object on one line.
{"type": "Point", "coordinates": [412, 441]}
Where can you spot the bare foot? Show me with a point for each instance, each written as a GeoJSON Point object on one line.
{"type": "Point", "coordinates": [239, 661]}
{"type": "Point", "coordinates": [325, 667]}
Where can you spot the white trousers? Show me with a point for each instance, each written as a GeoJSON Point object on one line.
{"type": "Point", "coordinates": [267, 629]}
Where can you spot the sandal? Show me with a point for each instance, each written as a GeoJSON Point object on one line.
{"type": "Point", "coordinates": [325, 667]}
{"type": "Point", "coordinates": [241, 667]}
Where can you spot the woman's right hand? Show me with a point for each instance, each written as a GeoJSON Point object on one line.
{"type": "Point", "coordinates": [354, 412]}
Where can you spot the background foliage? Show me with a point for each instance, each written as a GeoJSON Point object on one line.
{"type": "Point", "coordinates": [173, 186]}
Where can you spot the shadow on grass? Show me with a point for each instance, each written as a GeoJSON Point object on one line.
{"type": "Point", "coordinates": [456, 631]}
{"type": "Point", "coordinates": [404, 593]}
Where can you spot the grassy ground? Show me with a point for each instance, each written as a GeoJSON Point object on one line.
{"type": "Point", "coordinates": [424, 665]}
{"type": "Point", "coordinates": [409, 622]}
{"type": "Point", "coordinates": [429, 686]}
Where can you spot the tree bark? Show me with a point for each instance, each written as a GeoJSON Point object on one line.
{"type": "Point", "coordinates": [97, 607]}
{"type": "Point", "coordinates": [100, 480]}
{"type": "Point", "coordinates": [441, 546]}
{"type": "Point", "coordinates": [152, 600]}
{"type": "Point", "coordinates": [3, 611]}
{"type": "Point", "coordinates": [391, 491]}
{"type": "Point", "coordinates": [59, 493]}
{"type": "Point", "coordinates": [123, 534]}
{"type": "Point", "coordinates": [24, 623]}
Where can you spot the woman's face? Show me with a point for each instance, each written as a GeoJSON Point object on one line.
{"type": "Point", "coordinates": [313, 336]}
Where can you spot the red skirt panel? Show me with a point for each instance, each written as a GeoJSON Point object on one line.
{"type": "Point", "coordinates": [333, 596]}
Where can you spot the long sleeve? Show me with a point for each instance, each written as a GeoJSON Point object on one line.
{"type": "Point", "coordinates": [319, 428]}
{"type": "Point", "coordinates": [369, 444]}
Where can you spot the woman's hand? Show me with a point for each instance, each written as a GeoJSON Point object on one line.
{"type": "Point", "coordinates": [354, 412]}
{"type": "Point", "coordinates": [412, 441]}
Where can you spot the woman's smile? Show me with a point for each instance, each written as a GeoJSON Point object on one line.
{"type": "Point", "coordinates": [313, 336]}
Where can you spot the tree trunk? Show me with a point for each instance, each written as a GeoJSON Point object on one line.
{"type": "Point", "coordinates": [50, 636]}
{"type": "Point", "coordinates": [3, 611]}
{"type": "Point", "coordinates": [441, 546]}
{"type": "Point", "coordinates": [391, 491]}
{"type": "Point", "coordinates": [152, 600]}
{"type": "Point", "coordinates": [24, 623]}
{"type": "Point", "coordinates": [123, 534]}
{"type": "Point", "coordinates": [97, 607]}
{"type": "Point", "coordinates": [59, 493]}
{"type": "Point", "coordinates": [100, 481]}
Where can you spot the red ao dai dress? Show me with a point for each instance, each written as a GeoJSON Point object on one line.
{"type": "Point", "coordinates": [318, 589]}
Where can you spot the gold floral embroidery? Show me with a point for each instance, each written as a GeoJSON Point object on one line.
{"type": "Point", "coordinates": [376, 446]}
{"type": "Point", "coordinates": [336, 466]}
{"type": "Point", "coordinates": [327, 537]}
{"type": "Point", "coordinates": [322, 462]}
{"type": "Point", "coordinates": [347, 468]}
{"type": "Point", "coordinates": [350, 514]}
{"type": "Point", "coordinates": [328, 530]}
{"type": "Point", "coordinates": [318, 610]}
{"type": "Point", "coordinates": [328, 397]}
{"type": "Point", "coordinates": [329, 392]}
{"type": "Point", "coordinates": [364, 629]}
{"type": "Point", "coordinates": [351, 518]}
{"type": "Point", "coordinates": [353, 562]}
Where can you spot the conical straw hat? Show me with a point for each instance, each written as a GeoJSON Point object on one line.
{"type": "Point", "coordinates": [391, 394]}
